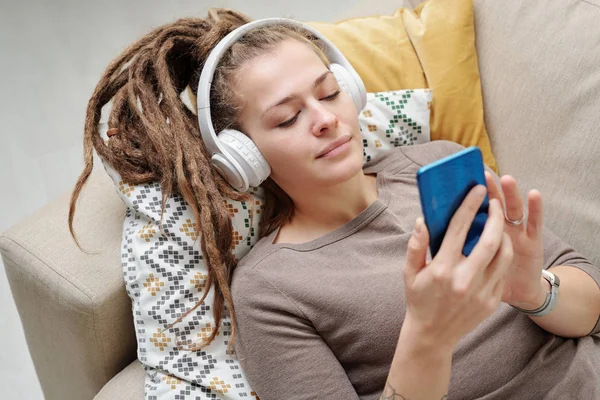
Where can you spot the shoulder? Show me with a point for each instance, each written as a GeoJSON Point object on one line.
{"type": "Point", "coordinates": [250, 287]}
{"type": "Point", "coordinates": [262, 251]}
{"type": "Point", "coordinates": [418, 154]}
{"type": "Point", "coordinates": [252, 270]}
{"type": "Point", "coordinates": [259, 287]}
{"type": "Point", "coordinates": [423, 154]}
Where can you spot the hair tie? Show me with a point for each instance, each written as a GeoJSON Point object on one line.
{"type": "Point", "coordinates": [112, 132]}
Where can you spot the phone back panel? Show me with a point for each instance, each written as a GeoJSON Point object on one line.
{"type": "Point", "coordinates": [443, 185]}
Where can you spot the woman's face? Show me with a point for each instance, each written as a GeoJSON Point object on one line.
{"type": "Point", "coordinates": [294, 111]}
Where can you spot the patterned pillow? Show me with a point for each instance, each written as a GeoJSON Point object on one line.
{"type": "Point", "coordinates": [165, 275]}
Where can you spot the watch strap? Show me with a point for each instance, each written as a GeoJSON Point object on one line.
{"type": "Point", "coordinates": [551, 297]}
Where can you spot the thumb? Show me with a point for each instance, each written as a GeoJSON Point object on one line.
{"type": "Point", "coordinates": [417, 251]}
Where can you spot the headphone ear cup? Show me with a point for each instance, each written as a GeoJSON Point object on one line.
{"type": "Point", "coordinates": [348, 84]}
{"type": "Point", "coordinates": [230, 170]}
{"type": "Point", "coordinates": [246, 155]}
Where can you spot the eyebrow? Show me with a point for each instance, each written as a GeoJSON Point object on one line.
{"type": "Point", "coordinates": [290, 97]}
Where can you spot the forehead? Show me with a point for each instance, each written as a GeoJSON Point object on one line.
{"type": "Point", "coordinates": [286, 69]}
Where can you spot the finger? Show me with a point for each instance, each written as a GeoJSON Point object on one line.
{"type": "Point", "coordinates": [512, 197]}
{"type": "Point", "coordinates": [535, 219]}
{"type": "Point", "coordinates": [502, 261]}
{"type": "Point", "coordinates": [461, 221]}
{"type": "Point", "coordinates": [417, 252]}
{"type": "Point", "coordinates": [504, 266]}
{"type": "Point", "coordinates": [498, 290]}
{"type": "Point", "coordinates": [493, 190]}
{"type": "Point", "coordinates": [489, 241]}
{"type": "Point", "coordinates": [497, 269]}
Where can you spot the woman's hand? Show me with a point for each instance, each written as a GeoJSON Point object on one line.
{"type": "Point", "coordinates": [451, 295]}
{"type": "Point", "coordinates": [524, 286]}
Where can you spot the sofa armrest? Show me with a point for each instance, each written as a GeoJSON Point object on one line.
{"type": "Point", "coordinates": [126, 385]}
{"type": "Point", "coordinates": [73, 305]}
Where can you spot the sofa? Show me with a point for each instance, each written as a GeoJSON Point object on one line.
{"type": "Point", "coordinates": [540, 79]}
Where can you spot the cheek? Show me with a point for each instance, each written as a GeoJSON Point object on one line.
{"type": "Point", "coordinates": [287, 157]}
{"type": "Point", "coordinates": [347, 111]}
{"type": "Point", "coordinates": [274, 149]}
{"type": "Point", "coordinates": [284, 151]}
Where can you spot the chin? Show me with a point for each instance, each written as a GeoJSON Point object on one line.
{"type": "Point", "coordinates": [346, 169]}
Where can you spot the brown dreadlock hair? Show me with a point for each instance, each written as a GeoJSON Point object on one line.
{"type": "Point", "coordinates": [154, 136]}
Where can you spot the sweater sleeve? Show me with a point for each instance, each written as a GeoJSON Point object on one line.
{"type": "Point", "coordinates": [557, 252]}
{"type": "Point", "coordinates": [279, 349]}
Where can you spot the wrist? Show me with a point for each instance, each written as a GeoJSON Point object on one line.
{"type": "Point", "coordinates": [420, 368]}
{"type": "Point", "coordinates": [538, 298]}
{"type": "Point", "coordinates": [422, 341]}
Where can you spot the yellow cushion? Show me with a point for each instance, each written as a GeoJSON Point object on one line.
{"type": "Point", "coordinates": [430, 47]}
{"type": "Point", "coordinates": [379, 49]}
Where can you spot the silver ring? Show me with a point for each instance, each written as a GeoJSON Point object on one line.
{"type": "Point", "coordinates": [514, 222]}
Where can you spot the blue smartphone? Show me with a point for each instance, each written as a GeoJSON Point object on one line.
{"type": "Point", "coordinates": [443, 185]}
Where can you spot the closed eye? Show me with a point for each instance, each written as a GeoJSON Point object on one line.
{"type": "Point", "coordinates": [289, 122]}
{"type": "Point", "coordinates": [333, 96]}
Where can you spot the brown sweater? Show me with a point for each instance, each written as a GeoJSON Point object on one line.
{"type": "Point", "coordinates": [320, 320]}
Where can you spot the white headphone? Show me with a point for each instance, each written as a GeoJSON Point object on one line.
{"type": "Point", "coordinates": [234, 154]}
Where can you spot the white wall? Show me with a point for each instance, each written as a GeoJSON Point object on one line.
{"type": "Point", "coordinates": [52, 53]}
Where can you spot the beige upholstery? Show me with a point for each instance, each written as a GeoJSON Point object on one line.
{"type": "Point", "coordinates": [541, 87]}
{"type": "Point", "coordinates": [75, 312]}
{"type": "Point", "coordinates": [539, 65]}
{"type": "Point", "coordinates": [126, 385]}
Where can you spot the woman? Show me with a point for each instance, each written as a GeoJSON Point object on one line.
{"type": "Point", "coordinates": [339, 298]}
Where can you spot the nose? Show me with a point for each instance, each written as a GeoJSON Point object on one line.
{"type": "Point", "coordinates": [323, 119]}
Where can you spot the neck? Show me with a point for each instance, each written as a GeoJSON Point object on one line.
{"type": "Point", "coordinates": [324, 209]}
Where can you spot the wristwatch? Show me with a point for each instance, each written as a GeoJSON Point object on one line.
{"type": "Point", "coordinates": [551, 297]}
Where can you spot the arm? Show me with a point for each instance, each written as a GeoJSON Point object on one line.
{"type": "Point", "coordinates": [577, 310]}
{"type": "Point", "coordinates": [446, 299]}
{"type": "Point", "coordinates": [418, 367]}
{"type": "Point", "coordinates": [578, 307]}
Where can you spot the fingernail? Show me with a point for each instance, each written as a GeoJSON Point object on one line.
{"type": "Point", "coordinates": [418, 225]}
{"type": "Point", "coordinates": [481, 190]}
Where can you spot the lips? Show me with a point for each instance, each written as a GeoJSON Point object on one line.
{"type": "Point", "coordinates": [334, 145]}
